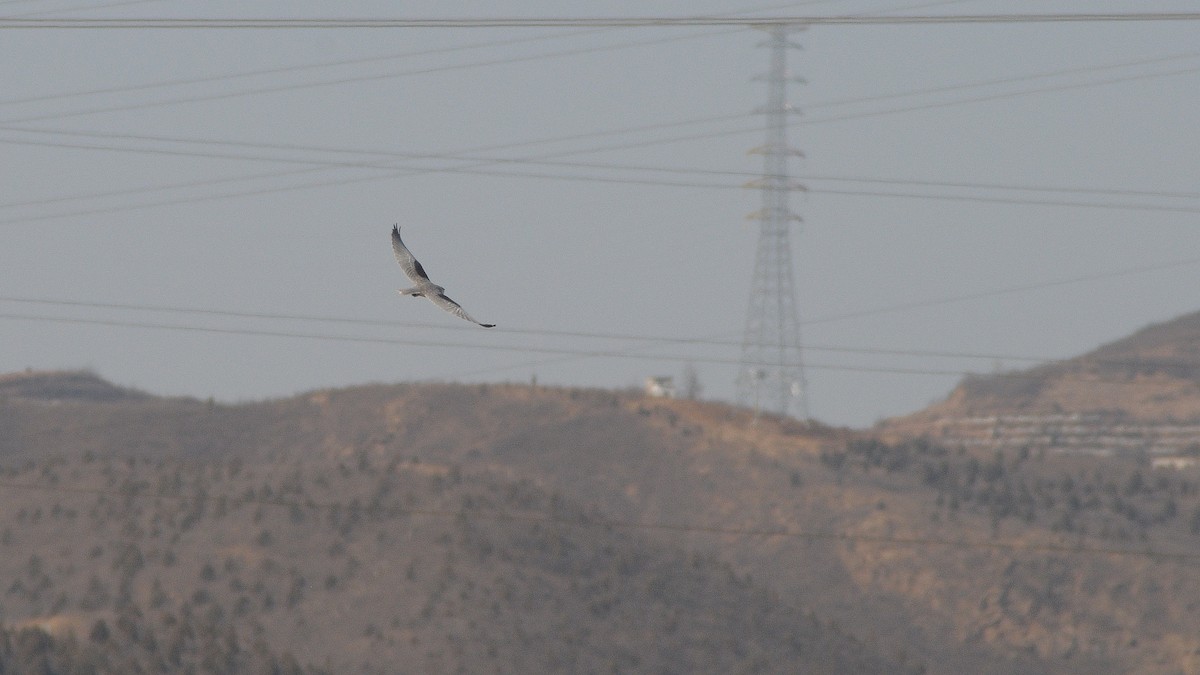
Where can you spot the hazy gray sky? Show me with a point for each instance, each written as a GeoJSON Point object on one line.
{"type": "Point", "coordinates": [260, 171]}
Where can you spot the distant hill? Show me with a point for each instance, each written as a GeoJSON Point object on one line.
{"type": "Point", "coordinates": [1152, 375]}
{"type": "Point", "coordinates": [503, 528]}
{"type": "Point", "coordinates": [64, 386]}
{"type": "Point", "coordinates": [348, 531]}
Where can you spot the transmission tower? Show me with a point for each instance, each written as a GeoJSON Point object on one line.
{"type": "Point", "coordinates": [771, 376]}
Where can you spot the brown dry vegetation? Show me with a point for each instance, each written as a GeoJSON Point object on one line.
{"type": "Point", "coordinates": [443, 528]}
{"type": "Point", "coordinates": [1151, 376]}
{"type": "Point", "coordinates": [356, 531]}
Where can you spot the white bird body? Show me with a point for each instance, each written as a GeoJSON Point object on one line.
{"type": "Point", "coordinates": [424, 287]}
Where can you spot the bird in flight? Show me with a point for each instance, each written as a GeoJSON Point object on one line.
{"type": "Point", "coordinates": [424, 287]}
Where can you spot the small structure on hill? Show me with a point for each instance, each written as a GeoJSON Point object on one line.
{"type": "Point", "coordinates": [1174, 462]}
{"type": "Point", "coordinates": [662, 386]}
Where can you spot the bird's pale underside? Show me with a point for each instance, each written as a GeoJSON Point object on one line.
{"type": "Point", "coordinates": [424, 287]}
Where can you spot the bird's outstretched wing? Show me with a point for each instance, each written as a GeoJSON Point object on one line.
{"type": "Point", "coordinates": [411, 266]}
{"type": "Point", "coordinates": [425, 286]}
{"type": "Point", "coordinates": [441, 300]}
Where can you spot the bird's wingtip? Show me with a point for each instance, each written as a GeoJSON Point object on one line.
{"type": "Point", "coordinates": [488, 325]}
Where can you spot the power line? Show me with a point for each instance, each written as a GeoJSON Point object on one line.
{"type": "Point", "coordinates": [370, 59]}
{"type": "Point", "coordinates": [653, 340]}
{"type": "Point", "coordinates": [387, 57]}
{"type": "Point", "coordinates": [331, 64]}
{"type": "Point", "coordinates": [265, 90]}
{"type": "Point", "coordinates": [1020, 288]}
{"type": "Point", "coordinates": [500, 160]}
{"type": "Point", "coordinates": [980, 199]}
{"type": "Point", "coordinates": [855, 100]}
{"type": "Point", "coordinates": [363, 60]}
{"type": "Point", "coordinates": [610, 354]}
{"type": "Point", "coordinates": [79, 8]}
{"type": "Point", "coordinates": [507, 42]}
{"type": "Point", "coordinates": [919, 304]}
{"type": "Point", "coordinates": [714, 340]}
{"type": "Point", "coordinates": [439, 343]}
{"type": "Point", "coordinates": [923, 5]}
{"type": "Point", "coordinates": [912, 108]}
{"type": "Point", "coordinates": [721, 117]}
{"type": "Point", "coordinates": [1001, 96]}
{"type": "Point", "coordinates": [576, 137]}
{"type": "Point", "coordinates": [591, 521]}
{"type": "Point", "coordinates": [354, 79]}
{"type": "Point", "coordinates": [596, 22]}
{"type": "Point", "coordinates": [478, 169]}
{"type": "Point", "coordinates": [497, 160]}
{"type": "Point", "coordinates": [503, 146]}
{"type": "Point", "coordinates": [296, 68]}
{"type": "Point", "coordinates": [1004, 187]}
{"type": "Point", "coordinates": [400, 341]}
{"type": "Point", "coordinates": [1015, 187]}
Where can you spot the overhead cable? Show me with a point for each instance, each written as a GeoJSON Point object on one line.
{"type": "Point", "coordinates": [583, 353]}
{"type": "Point", "coordinates": [596, 522]}
{"type": "Point", "coordinates": [592, 22]}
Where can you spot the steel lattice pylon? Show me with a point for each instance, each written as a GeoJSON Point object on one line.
{"type": "Point", "coordinates": [771, 375]}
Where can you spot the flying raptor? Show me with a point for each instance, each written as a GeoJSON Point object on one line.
{"type": "Point", "coordinates": [424, 287]}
